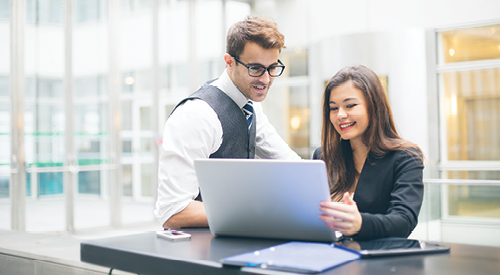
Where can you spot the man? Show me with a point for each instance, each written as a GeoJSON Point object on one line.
{"type": "Point", "coordinates": [223, 119]}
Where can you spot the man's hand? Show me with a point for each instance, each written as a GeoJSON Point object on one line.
{"type": "Point", "coordinates": [193, 215]}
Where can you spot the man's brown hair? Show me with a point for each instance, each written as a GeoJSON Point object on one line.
{"type": "Point", "coordinates": [258, 29]}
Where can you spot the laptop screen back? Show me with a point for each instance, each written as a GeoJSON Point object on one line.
{"type": "Point", "coordinates": [265, 198]}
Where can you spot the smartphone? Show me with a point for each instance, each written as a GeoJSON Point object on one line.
{"type": "Point", "coordinates": [173, 235]}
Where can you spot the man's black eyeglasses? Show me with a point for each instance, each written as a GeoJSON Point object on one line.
{"type": "Point", "coordinates": [258, 70]}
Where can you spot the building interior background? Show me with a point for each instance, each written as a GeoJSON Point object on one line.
{"type": "Point", "coordinates": [87, 85]}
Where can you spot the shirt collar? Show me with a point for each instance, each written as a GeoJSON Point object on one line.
{"type": "Point", "coordinates": [225, 84]}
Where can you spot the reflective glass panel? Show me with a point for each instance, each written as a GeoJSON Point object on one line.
{"type": "Point", "coordinates": [91, 109]}
{"type": "Point", "coordinates": [50, 183]}
{"type": "Point", "coordinates": [295, 62]}
{"type": "Point", "coordinates": [127, 115]}
{"type": "Point", "coordinates": [90, 10]}
{"type": "Point", "coordinates": [90, 182]}
{"type": "Point", "coordinates": [299, 120]}
{"type": "Point", "coordinates": [4, 110]}
{"type": "Point", "coordinates": [92, 134]}
{"type": "Point", "coordinates": [5, 141]}
{"type": "Point", "coordinates": [127, 180]}
{"type": "Point", "coordinates": [146, 179]}
{"type": "Point", "coordinates": [5, 209]}
{"type": "Point", "coordinates": [49, 11]}
{"type": "Point", "coordinates": [469, 44]}
{"type": "Point", "coordinates": [4, 9]}
{"type": "Point", "coordinates": [44, 133]}
{"type": "Point", "coordinates": [90, 86]}
{"type": "Point", "coordinates": [474, 201]}
{"type": "Point", "coordinates": [472, 109]}
{"type": "Point", "coordinates": [288, 111]}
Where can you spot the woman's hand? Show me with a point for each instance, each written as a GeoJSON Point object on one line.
{"type": "Point", "coordinates": [342, 216]}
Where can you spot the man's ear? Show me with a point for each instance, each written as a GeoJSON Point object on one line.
{"type": "Point", "coordinates": [228, 59]}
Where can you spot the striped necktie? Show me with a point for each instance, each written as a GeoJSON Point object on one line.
{"type": "Point", "coordinates": [248, 110]}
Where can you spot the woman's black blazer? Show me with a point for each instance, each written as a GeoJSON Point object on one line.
{"type": "Point", "coordinates": [389, 194]}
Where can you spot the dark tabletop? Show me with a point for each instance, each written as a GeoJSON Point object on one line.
{"type": "Point", "coordinates": [146, 254]}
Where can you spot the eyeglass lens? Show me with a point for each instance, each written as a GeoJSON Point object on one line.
{"type": "Point", "coordinates": [259, 70]}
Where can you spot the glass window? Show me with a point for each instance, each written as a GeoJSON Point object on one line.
{"type": "Point", "coordinates": [179, 77]}
{"type": "Point", "coordinates": [470, 44]}
{"type": "Point", "coordinates": [91, 133]}
{"type": "Point", "coordinates": [4, 185]}
{"type": "Point", "coordinates": [50, 88]}
{"type": "Point", "coordinates": [299, 120]}
{"type": "Point", "coordinates": [128, 6]}
{"type": "Point", "coordinates": [4, 135]}
{"type": "Point", "coordinates": [472, 107]}
{"type": "Point", "coordinates": [288, 111]}
{"type": "Point", "coordinates": [4, 86]}
{"type": "Point", "coordinates": [287, 106]}
{"type": "Point", "coordinates": [90, 86]}
{"type": "Point", "coordinates": [146, 179]}
{"type": "Point", "coordinates": [205, 72]}
{"type": "Point", "coordinates": [474, 201]}
{"type": "Point", "coordinates": [143, 81]}
{"type": "Point", "coordinates": [31, 11]}
{"type": "Point", "coordinates": [30, 88]}
{"type": "Point", "coordinates": [470, 117]}
{"type": "Point", "coordinates": [168, 110]}
{"type": "Point", "coordinates": [50, 183]}
{"type": "Point", "coordinates": [473, 175]}
{"type": "Point", "coordinates": [46, 11]}
{"type": "Point", "coordinates": [5, 141]}
{"type": "Point", "coordinates": [146, 149]}
{"type": "Point", "coordinates": [91, 103]}
{"type": "Point", "coordinates": [127, 180]}
{"type": "Point", "coordinates": [44, 102]}
{"type": "Point", "coordinates": [127, 115]}
{"type": "Point", "coordinates": [89, 10]}
{"type": "Point", "coordinates": [44, 134]}
{"type": "Point", "coordinates": [128, 82]}
{"type": "Point", "coordinates": [126, 147]}
{"type": "Point", "coordinates": [295, 62]}
{"type": "Point", "coordinates": [4, 9]}
{"type": "Point", "coordinates": [145, 118]}
{"type": "Point", "coordinates": [164, 77]}
{"type": "Point", "coordinates": [136, 81]}
{"type": "Point", "coordinates": [89, 182]}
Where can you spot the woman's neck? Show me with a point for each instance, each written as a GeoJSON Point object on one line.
{"type": "Point", "coordinates": [359, 153]}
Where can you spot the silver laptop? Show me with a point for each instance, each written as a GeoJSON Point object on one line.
{"type": "Point", "coordinates": [265, 198]}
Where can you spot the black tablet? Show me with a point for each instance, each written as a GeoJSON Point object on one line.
{"type": "Point", "coordinates": [392, 247]}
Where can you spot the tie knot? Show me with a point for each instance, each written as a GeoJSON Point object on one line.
{"type": "Point", "coordinates": [248, 110]}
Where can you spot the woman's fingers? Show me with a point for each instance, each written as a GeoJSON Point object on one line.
{"type": "Point", "coordinates": [336, 224]}
{"type": "Point", "coordinates": [341, 216]}
{"type": "Point", "coordinates": [338, 214]}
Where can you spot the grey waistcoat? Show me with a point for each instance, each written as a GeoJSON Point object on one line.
{"type": "Point", "coordinates": [237, 142]}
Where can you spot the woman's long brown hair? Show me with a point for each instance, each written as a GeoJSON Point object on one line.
{"type": "Point", "coordinates": [380, 136]}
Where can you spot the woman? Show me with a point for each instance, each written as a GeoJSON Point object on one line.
{"type": "Point", "coordinates": [375, 175]}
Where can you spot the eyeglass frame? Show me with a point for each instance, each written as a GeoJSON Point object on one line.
{"type": "Point", "coordinates": [261, 66]}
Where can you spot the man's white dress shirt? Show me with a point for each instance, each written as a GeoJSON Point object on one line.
{"type": "Point", "coordinates": [194, 131]}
